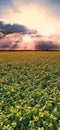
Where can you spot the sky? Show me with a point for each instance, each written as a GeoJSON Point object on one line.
{"type": "Point", "coordinates": [29, 24]}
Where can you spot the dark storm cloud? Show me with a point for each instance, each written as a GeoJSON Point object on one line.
{"type": "Point", "coordinates": [14, 28]}
{"type": "Point", "coordinates": [15, 46]}
{"type": "Point", "coordinates": [5, 45]}
{"type": "Point", "coordinates": [46, 45]}
{"type": "Point", "coordinates": [1, 35]}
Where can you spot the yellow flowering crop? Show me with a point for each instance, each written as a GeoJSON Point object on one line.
{"type": "Point", "coordinates": [30, 90]}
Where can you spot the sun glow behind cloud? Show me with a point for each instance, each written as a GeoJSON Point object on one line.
{"type": "Point", "coordinates": [27, 38]}
{"type": "Point", "coordinates": [37, 17]}
{"type": "Point", "coordinates": [29, 24]}
{"type": "Point", "coordinates": [33, 16]}
{"type": "Point", "coordinates": [28, 42]}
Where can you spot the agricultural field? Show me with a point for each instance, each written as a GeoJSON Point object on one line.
{"type": "Point", "coordinates": [30, 90]}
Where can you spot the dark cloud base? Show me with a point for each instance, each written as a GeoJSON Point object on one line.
{"type": "Point", "coordinates": [7, 43]}
{"type": "Point", "coordinates": [14, 28]}
{"type": "Point", "coordinates": [46, 45]}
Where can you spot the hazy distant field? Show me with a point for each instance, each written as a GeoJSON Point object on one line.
{"type": "Point", "coordinates": [30, 90]}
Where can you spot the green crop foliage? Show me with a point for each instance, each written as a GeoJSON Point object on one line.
{"type": "Point", "coordinates": [30, 90]}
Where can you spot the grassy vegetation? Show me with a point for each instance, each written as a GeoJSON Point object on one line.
{"type": "Point", "coordinates": [30, 90]}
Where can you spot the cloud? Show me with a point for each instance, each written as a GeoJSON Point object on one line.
{"type": "Point", "coordinates": [11, 41]}
{"type": "Point", "coordinates": [19, 37]}
{"type": "Point", "coordinates": [14, 28]}
{"type": "Point", "coordinates": [36, 36]}
{"type": "Point", "coordinates": [38, 14]}
{"type": "Point", "coordinates": [46, 45]}
{"type": "Point", "coordinates": [5, 45]}
{"type": "Point", "coordinates": [1, 35]}
{"type": "Point", "coordinates": [15, 46]}
{"type": "Point", "coordinates": [17, 41]}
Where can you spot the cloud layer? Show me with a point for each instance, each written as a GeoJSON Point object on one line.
{"type": "Point", "coordinates": [19, 37]}
{"type": "Point", "coordinates": [42, 15]}
{"type": "Point", "coordinates": [14, 28]}
{"type": "Point", "coordinates": [47, 45]}
{"type": "Point", "coordinates": [30, 24]}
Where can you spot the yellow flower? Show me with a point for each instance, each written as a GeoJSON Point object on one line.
{"type": "Point", "coordinates": [49, 104]}
{"type": "Point", "coordinates": [54, 99]}
{"type": "Point", "coordinates": [55, 109]}
{"type": "Point", "coordinates": [6, 127]}
{"type": "Point", "coordinates": [11, 109]}
{"type": "Point", "coordinates": [28, 112]}
{"type": "Point", "coordinates": [18, 113]}
{"type": "Point", "coordinates": [50, 125]}
{"type": "Point", "coordinates": [14, 124]}
{"type": "Point", "coordinates": [8, 93]}
{"type": "Point", "coordinates": [17, 106]}
{"type": "Point", "coordinates": [1, 123]}
{"type": "Point", "coordinates": [31, 122]}
{"type": "Point", "coordinates": [12, 90]}
{"type": "Point", "coordinates": [42, 128]}
{"type": "Point", "coordinates": [20, 118]}
{"type": "Point", "coordinates": [58, 128]}
{"type": "Point", "coordinates": [36, 118]}
{"type": "Point", "coordinates": [41, 114]}
{"type": "Point", "coordinates": [52, 117]}
{"type": "Point", "coordinates": [58, 103]}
